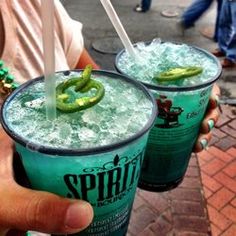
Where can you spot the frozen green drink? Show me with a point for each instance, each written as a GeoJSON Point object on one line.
{"type": "Point", "coordinates": [94, 154]}
{"type": "Point", "coordinates": [181, 79]}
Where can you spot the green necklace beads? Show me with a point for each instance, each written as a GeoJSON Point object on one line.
{"type": "Point", "coordinates": [7, 84]}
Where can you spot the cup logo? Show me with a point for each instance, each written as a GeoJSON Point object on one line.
{"type": "Point", "coordinates": [168, 113]}
{"type": "Point", "coordinates": [108, 183]}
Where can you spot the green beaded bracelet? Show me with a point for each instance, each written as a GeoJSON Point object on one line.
{"type": "Point", "coordinates": [7, 84]}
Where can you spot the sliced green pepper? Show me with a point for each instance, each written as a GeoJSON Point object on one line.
{"type": "Point", "coordinates": [82, 84]}
{"type": "Point", "coordinates": [178, 73]}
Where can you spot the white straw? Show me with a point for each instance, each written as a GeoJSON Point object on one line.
{"type": "Point", "coordinates": [47, 12]}
{"type": "Point", "coordinates": [118, 26]}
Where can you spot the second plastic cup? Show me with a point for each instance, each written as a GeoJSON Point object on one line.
{"type": "Point", "coordinates": [181, 110]}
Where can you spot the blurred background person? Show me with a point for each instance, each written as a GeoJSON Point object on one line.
{"type": "Point", "coordinates": [144, 6]}
{"type": "Point", "coordinates": [227, 34]}
{"type": "Point", "coordinates": [195, 11]}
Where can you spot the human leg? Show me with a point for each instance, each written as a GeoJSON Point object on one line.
{"type": "Point", "coordinates": [194, 12]}
{"type": "Point", "coordinates": [231, 45]}
{"type": "Point", "coordinates": [224, 29]}
{"type": "Point", "coordinates": [219, 5]}
{"type": "Point", "coordinates": [146, 4]}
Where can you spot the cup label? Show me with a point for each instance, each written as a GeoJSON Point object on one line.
{"type": "Point", "coordinates": [112, 181]}
{"type": "Point", "coordinates": [107, 180]}
{"type": "Point", "coordinates": [173, 136]}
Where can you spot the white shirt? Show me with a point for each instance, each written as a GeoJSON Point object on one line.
{"type": "Point", "coordinates": [21, 32]}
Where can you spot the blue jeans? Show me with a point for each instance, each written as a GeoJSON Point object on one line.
{"type": "Point", "coordinates": [196, 10]}
{"type": "Point", "coordinates": [146, 4]}
{"type": "Point", "coordinates": [227, 29]}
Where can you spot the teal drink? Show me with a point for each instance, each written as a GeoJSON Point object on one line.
{"type": "Point", "coordinates": [182, 103]}
{"type": "Point", "coordinates": [95, 154]}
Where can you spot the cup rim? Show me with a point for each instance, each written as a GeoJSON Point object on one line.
{"type": "Point", "coordinates": [176, 89]}
{"type": "Point", "coordinates": [82, 151]}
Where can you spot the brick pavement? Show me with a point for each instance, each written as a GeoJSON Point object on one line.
{"type": "Point", "coordinates": [205, 203]}
{"type": "Point", "coordinates": [218, 173]}
{"type": "Point", "coordinates": [179, 212]}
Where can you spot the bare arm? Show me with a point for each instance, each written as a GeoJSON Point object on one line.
{"type": "Point", "coordinates": [86, 59]}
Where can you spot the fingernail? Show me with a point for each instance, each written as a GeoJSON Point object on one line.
{"type": "Point", "coordinates": [204, 143]}
{"type": "Point", "coordinates": [78, 215]}
{"type": "Point", "coordinates": [211, 124]}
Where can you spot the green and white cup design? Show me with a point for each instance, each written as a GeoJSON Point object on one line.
{"type": "Point", "coordinates": [171, 140]}
{"type": "Point", "coordinates": [105, 176]}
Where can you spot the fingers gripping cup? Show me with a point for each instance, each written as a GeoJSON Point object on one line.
{"type": "Point", "coordinates": [94, 154]}
{"type": "Point", "coordinates": [181, 79]}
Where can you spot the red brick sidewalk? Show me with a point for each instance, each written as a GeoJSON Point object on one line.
{"type": "Point", "coordinates": [218, 173]}
{"type": "Point", "coordinates": [205, 203]}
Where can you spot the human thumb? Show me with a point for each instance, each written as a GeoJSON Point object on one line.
{"type": "Point", "coordinates": [26, 209]}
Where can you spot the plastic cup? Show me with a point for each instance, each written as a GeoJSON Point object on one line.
{"type": "Point", "coordinates": [105, 176]}
{"type": "Point", "coordinates": [171, 140]}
